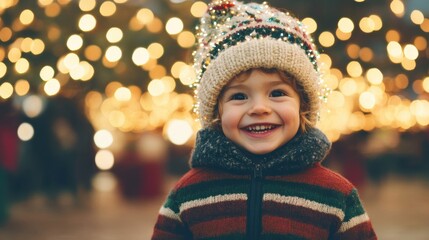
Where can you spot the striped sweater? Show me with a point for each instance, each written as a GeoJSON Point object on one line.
{"type": "Point", "coordinates": [252, 200]}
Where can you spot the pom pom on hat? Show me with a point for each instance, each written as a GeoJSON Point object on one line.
{"type": "Point", "coordinates": [234, 37]}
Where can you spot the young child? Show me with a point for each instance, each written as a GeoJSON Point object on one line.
{"type": "Point", "coordinates": [255, 169]}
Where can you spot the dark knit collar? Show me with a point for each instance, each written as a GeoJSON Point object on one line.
{"type": "Point", "coordinates": [214, 150]}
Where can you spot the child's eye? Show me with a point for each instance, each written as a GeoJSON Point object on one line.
{"type": "Point", "coordinates": [278, 93]}
{"type": "Point", "coordinates": [238, 96]}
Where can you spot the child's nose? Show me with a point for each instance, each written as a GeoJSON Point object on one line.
{"type": "Point", "coordinates": [259, 106]}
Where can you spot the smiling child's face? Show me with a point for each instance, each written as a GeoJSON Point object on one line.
{"type": "Point", "coordinates": [259, 111]}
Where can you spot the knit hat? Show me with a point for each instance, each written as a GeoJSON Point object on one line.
{"type": "Point", "coordinates": [234, 37]}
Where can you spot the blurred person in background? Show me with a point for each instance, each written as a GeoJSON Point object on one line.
{"type": "Point", "coordinates": [9, 147]}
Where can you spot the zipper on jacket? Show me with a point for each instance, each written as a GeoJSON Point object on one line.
{"type": "Point", "coordinates": [254, 205]}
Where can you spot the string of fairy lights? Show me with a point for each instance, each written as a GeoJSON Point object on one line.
{"type": "Point", "coordinates": [131, 60]}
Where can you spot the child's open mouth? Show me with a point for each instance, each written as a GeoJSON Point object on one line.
{"type": "Point", "coordinates": [260, 128]}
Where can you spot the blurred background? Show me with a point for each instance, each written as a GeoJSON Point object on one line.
{"type": "Point", "coordinates": [97, 121]}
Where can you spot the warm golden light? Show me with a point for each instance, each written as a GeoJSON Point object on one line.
{"type": "Point", "coordinates": [88, 71]}
{"type": "Point", "coordinates": [353, 50]}
{"type": "Point", "coordinates": [367, 101]}
{"type": "Point", "coordinates": [140, 56]}
{"type": "Point", "coordinates": [425, 25]}
{"type": "Point", "coordinates": [104, 160]}
{"type": "Point", "coordinates": [326, 61]}
{"type": "Point", "coordinates": [176, 68]}
{"type": "Point", "coordinates": [53, 10]}
{"type": "Point", "coordinates": [326, 39]}
{"type": "Point", "coordinates": [346, 25]}
{"type": "Point", "coordinates": [156, 87]}
{"type": "Point", "coordinates": [87, 5]}
{"type": "Point", "coordinates": [6, 90]}
{"type": "Point", "coordinates": [342, 36]}
{"type": "Point", "coordinates": [376, 20]}
{"type": "Point", "coordinates": [22, 87]}
{"type": "Point", "coordinates": [186, 39]}
{"type": "Point", "coordinates": [52, 87]}
{"type": "Point", "coordinates": [123, 94]}
{"type": "Point", "coordinates": [174, 26]}
{"type": "Point", "coordinates": [158, 71]}
{"type": "Point", "coordinates": [3, 69]}
{"type": "Point", "coordinates": [411, 52]}
{"type": "Point", "coordinates": [22, 65]}
{"type": "Point", "coordinates": [37, 46]}
{"type": "Point", "coordinates": [348, 86]}
{"type": "Point", "coordinates": [32, 106]}
{"type": "Point", "coordinates": [156, 50]}
{"type": "Point", "coordinates": [93, 52]}
{"type": "Point", "coordinates": [87, 22]}
{"type": "Point", "coordinates": [401, 81]}
{"type": "Point", "coordinates": [5, 34]}
{"type": "Point", "coordinates": [417, 17]}
{"type": "Point", "coordinates": [145, 16]}
{"type": "Point", "coordinates": [47, 73]}
{"type": "Point", "coordinates": [179, 131]}
{"type": "Point", "coordinates": [25, 132]}
{"type": "Point", "coordinates": [420, 43]}
{"type": "Point", "coordinates": [187, 75]}
{"type": "Point", "coordinates": [374, 76]}
{"type": "Point", "coordinates": [367, 25]}
{"type": "Point", "coordinates": [311, 25]}
{"type": "Point", "coordinates": [155, 26]}
{"type": "Point", "coordinates": [103, 138]}
{"type": "Point", "coordinates": [336, 100]}
{"type": "Point", "coordinates": [397, 7]}
{"type": "Point", "coordinates": [169, 83]}
{"type": "Point", "coordinates": [74, 42]}
{"type": "Point", "coordinates": [14, 54]}
{"type": "Point", "coordinates": [408, 65]}
{"type": "Point", "coordinates": [113, 54]}
{"type": "Point", "coordinates": [393, 36]}
{"type": "Point", "coordinates": [394, 50]}
{"type": "Point", "coordinates": [354, 69]}
{"type": "Point", "coordinates": [366, 54]}
{"type": "Point", "coordinates": [198, 9]}
{"type": "Point", "coordinates": [114, 35]}
{"type": "Point", "coordinates": [107, 8]}
{"type": "Point", "coordinates": [44, 3]}
{"type": "Point", "coordinates": [26, 17]}
{"type": "Point", "coordinates": [71, 61]}
{"type": "Point", "coordinates": [426, 84]}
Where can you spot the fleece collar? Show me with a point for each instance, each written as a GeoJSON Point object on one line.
{"type": "Point", "coordinates": [214, 150]}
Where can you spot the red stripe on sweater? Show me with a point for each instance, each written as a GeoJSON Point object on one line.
{"type": "Point", "coordinates": [215, 211]}
{"type": "Point", "coordinates": [301, 214]}
{"type": "Point", "coordinates": [165, 224]}
{"type": "Point", "coordinates": [218, 227]}
{"type": "Point", "coordinates": [285, 226]}
{"type": "Point", "coordinates": [319, 176]}
{"type": "Point", "coordinates": [198, 175]}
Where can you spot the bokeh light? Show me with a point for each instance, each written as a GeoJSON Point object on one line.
{"type": "Point", "coordinates": [25, 131]}
{"type": "Point", "coordinates": [103, 138]}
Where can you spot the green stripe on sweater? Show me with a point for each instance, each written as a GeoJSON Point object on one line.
{"type": "Point", "coordinates": [311, 192]}
{"type": "Point", "coordinates": [353, 206]}
{"type": "Point", "coordinates": [212, 188]}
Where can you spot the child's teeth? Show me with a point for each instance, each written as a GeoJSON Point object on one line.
{"type": "Point", "coordinates": [260, 128]}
